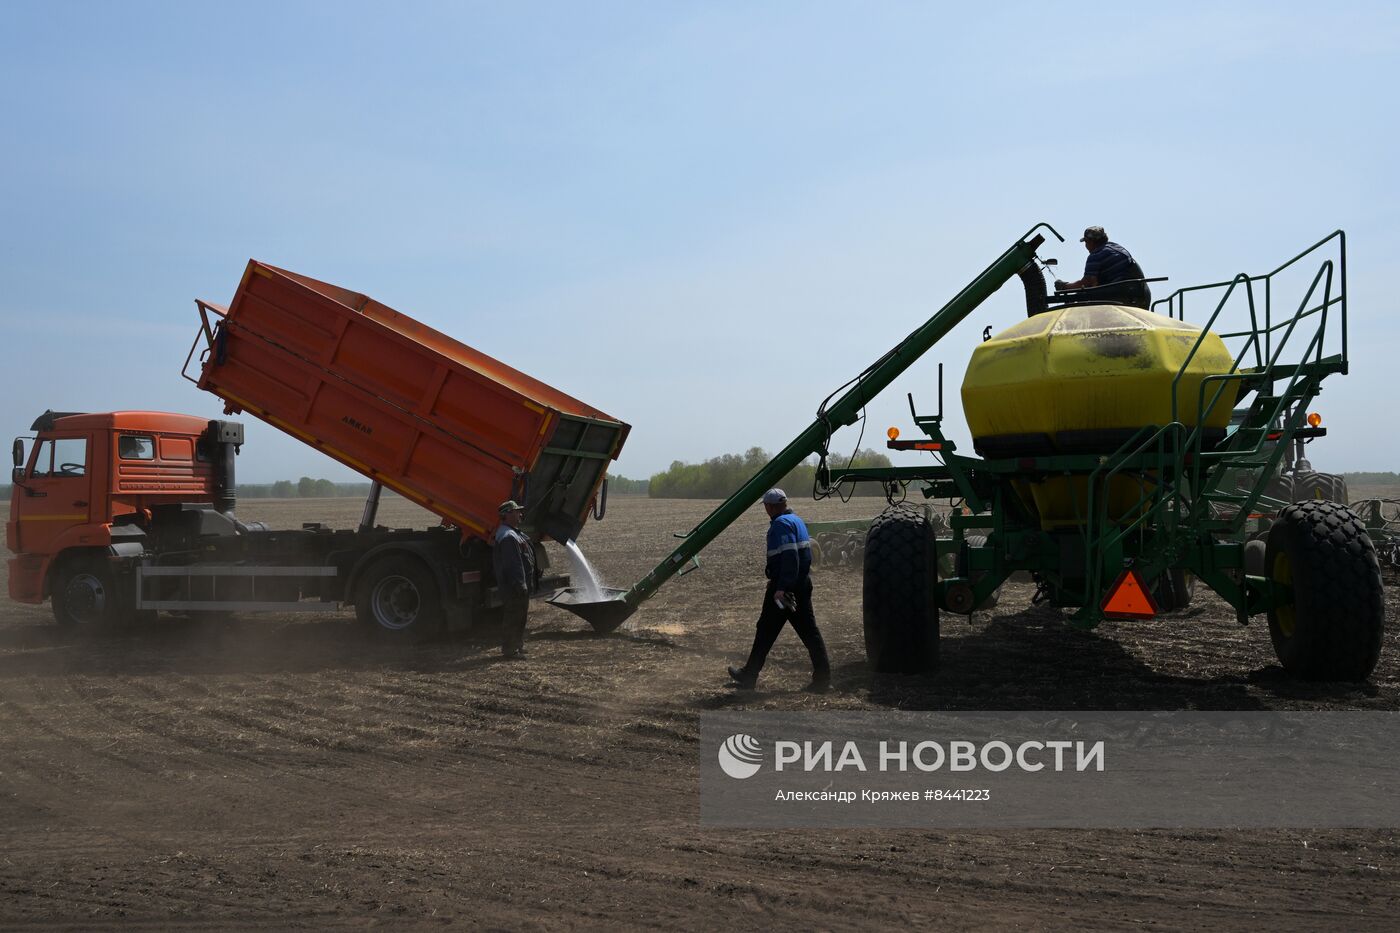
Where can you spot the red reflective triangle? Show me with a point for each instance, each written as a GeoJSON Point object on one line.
{"type": "Point", "coordinates": [1128, 598]}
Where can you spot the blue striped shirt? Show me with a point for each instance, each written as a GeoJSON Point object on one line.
{"type": "Point", "coordinates": [1111, 263]}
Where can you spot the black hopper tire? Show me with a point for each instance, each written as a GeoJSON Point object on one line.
{"type": "Point", "coordinates": [85, 595]}
{"type": "Point", "coordinates": [1255, 554]}
{"type": "Point", "coordinates": [1332, 627]}
{"type": "Point", "coordinates": [1174, 589]}
{"type": "Point", "coordinates": [991, 601]}
{"type": "Point", "coordinates": [398, 597]}
{"type": "Point", "coordinates": [900, 615]}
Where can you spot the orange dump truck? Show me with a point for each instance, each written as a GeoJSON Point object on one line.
{"type": "Point", "coordinates": [123, 513]}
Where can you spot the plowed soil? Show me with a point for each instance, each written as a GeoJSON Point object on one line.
{"type": "Point", "coordinates": [288, 771]}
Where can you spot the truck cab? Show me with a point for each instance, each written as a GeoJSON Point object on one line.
{"type": "Point", "coordinates": [118, 514]}
{"type": "Point", "coordinates": [85, 484]}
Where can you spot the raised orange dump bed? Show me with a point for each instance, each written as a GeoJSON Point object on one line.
{"type": "Point", "coordinates": [440, 423]}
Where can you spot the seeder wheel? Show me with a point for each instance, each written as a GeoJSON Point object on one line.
{"type": "Point", "coordinates": [900, 615]}
{"type": "Point", "coordinates": [1330, 626]}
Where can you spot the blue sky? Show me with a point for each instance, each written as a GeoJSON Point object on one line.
{"type": "Point", "coordinates": [698, 218]}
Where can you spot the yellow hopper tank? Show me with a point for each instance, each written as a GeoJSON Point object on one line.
{"type": "Point", "coordinates": [1084, 380]}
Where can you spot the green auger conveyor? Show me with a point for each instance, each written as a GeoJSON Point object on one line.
{"type": "Point", "coordinates": [606, 615]}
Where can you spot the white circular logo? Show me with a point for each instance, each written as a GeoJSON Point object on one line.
{"type": "Point", "coordinates": [740, 756]}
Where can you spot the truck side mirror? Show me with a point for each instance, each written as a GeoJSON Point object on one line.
{"type": "Point", "coordinates": [17, 475]}
{"type": "Point", "coordinates": [18, 451]}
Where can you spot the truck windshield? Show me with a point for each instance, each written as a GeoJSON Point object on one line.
{"type": "Point", "coordinates": [63, 456]}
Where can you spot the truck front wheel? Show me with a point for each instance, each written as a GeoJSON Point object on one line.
{"type": "Point", "coordinates": [397, 596]}
{"type": "Point", "coordinates": [85, 594]}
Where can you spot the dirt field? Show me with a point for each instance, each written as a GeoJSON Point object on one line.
{"type": "Point", "coordinates": [285, 771]}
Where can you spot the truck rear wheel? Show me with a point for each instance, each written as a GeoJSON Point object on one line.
{"type": "Point", "coordinates": [85, 594]}
{"type": "Point", "coordinates": [397, 596]}
{"type": "Point", "coordinates": [1331, 626]}
{"type": "Point", "coordinates": [900, 615]}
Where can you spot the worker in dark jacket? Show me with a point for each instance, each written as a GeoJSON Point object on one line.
{"type": "Point", "coordinates": [514, 562]}
{"type": "Point", "coordinates": [788, 597]}
{"type": "Point", "coordinates": [1110, 265]}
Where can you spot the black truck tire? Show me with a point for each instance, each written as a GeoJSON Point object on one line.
{"type": "Point", "coordinates": [84, 594]}
{"type": "Point", "coordinates": [899, 612]}
{"type": "Point", "coordinates": [398, 597]}
{"type": "Point", "coordinates": [1331, 627]}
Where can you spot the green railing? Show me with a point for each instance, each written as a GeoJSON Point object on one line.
{"type": "Point", "coordinates": [1178, 503]}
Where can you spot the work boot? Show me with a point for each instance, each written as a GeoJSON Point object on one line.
{"type": "Point", "coordinates": [517, 655]}
{"type": "Point", "coordinates": [742, 678]}
{"type": "Point", "coordinates": [820, 684]}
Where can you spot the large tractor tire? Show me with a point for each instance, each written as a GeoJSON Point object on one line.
{"type": "Point", "coordinates": [1306, 486]}
{"type": "Point", "coordinates": [85, 595]}
{"type": "Point", "coordinates": [1330, 625]}
{"type": "Point", "coordinates": [900, 614]}
{"type": "Point", "coordinates": [1327, 487]}
{"type": "Point", "coordinates": [1340, 493]}
{"type": "Point", "coordinates": [1280, 487]}
{"type": "Point", "coordinates": [397, 597]}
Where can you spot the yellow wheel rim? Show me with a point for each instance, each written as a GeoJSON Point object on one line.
{"type": "Point", "coordinates": [1283, 612]}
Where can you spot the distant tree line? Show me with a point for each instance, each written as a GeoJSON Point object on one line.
{"type": "Point", "coordinates": [304, 488]}
{"type": "Point", "coordinates": [1372, 479]}
{"type": "Point", "coordinates": [718, 477]}
{"type": "Point", "coordinates": [622, 486]}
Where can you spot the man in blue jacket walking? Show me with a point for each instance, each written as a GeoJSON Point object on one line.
{"type": "Point", "coordinates": [788, 597]}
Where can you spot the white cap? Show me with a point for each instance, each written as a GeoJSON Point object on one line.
{"type": "Point", "coordinates": [774, 496]}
